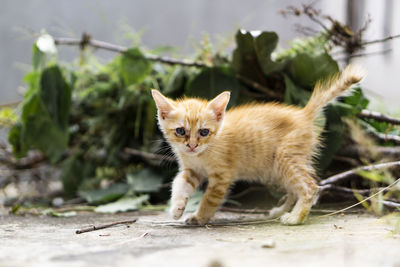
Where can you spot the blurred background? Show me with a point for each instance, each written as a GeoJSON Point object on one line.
{"type": "Point", "coordinates": [182, 24]}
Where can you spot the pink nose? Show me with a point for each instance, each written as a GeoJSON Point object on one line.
{"type": "Point", "coordinates": [192, 146]}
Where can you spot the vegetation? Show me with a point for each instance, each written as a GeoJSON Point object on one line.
{"type": "Point", "coordinates": [97, 123]}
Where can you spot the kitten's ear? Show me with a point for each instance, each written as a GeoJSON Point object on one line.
{"type": "Point", "coordinates": [164, 105]}
{"type": "Point", "coordinates": [219, 103]}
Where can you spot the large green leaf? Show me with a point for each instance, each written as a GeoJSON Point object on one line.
{"type": "Point", "coordinates": [212, 81]}
{"type": "Point", "coordinates": [252, 56]}
{"type": "Point", "coordinates": [123, 204]}
{"type": "Point", "coordinates": [106, 195]}
{"type": "Point", "coordinates": [145, 181]}
{"type": "Point", "coordinates": [134, 66]}
{"type": "Point", "coordinates": [305, 69]}
{"type": "Point", "coordinates": [44, 118]}
{"type": "Point", "coordinates": [295, 95]}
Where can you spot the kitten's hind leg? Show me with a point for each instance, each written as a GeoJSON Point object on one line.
{"type": "Point", "coordinates": [300, 183]}
{"type": "Point", "coordinates": [285, 207]}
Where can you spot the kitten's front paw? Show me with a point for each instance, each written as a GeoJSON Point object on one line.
{"type": "Point", "coordinates": [193, 219]}
{"type": "Point", "coordinates": [177, 208]}
{"type": "Point", "coordinates": [291, 219]}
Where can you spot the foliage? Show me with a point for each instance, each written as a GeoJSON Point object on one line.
{"type": "Point", "coordinates": [82, 117]}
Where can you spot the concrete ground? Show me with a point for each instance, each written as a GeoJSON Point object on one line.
{"type": "Point", "coordinates": [349, 240]}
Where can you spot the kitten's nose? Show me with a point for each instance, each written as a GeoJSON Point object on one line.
{"type": "Point", "coordinates": [192, 146]}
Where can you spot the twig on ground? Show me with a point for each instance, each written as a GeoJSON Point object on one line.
{"type": "Point", "coordinates": [386, 137]}
{"type": "Point", "coordinates": [95, 228]}
{"type": "Point", "coordinates": [347, 174]}
{"type": "Point", "coordinates": [391, 204]}
{"type": "Point", "coordinates": [368, 114]}
{"type": "Point", "coordinates": [238, 210]}
{"type": "Point", "coordinates": [87, 40]}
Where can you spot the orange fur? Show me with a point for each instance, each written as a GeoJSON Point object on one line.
{"type": "Point", "coordinates": [267, 143]}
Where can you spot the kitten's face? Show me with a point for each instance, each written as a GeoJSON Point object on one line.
{"type": "Point", "coordinates": [190, 125]}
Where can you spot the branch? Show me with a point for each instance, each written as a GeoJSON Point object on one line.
{"type": "Point", "coordinates": [95, 228]}
{"type": "Point", "coordinates": [386, 137]}
{"type": "Point", "coordinates": [347, 174]}
{"type": "Point", "coordinates": [354, 151]}
{"type": "Point", "coordinates": [87, 40]}
{"type": "Point", "coordinates": [250, 211]}
{"type": "Point", "coordinates": [367, 114]}
{"type": "Point", "coordinates": [381, 40]}
{"type": "Point", "coordinates": [259, 87]}
{"type": "Point", "coordinates": [343, 189]}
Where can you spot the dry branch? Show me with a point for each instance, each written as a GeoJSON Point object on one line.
{"type": "Point", "coordinates": [87, 40]}
{"type": "Point", "coordinates": [95, 228]}
{"type": "Point", "coordinates": [269, 92]}
{"type": "Point", "coordinates": [347, 174]}
{"type": "Point", "coordinates": [367, 114]}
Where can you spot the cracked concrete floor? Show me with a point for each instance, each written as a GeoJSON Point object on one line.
{"type": "Point", "coordinates": [349, 240]}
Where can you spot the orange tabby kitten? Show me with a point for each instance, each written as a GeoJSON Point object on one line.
{"type": "Point", "coordinates": [267, 143]}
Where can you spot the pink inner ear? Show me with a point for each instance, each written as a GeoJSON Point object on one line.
{"type": "Point", "coordinates": [218, 115]}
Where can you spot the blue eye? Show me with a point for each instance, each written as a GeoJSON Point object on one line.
{"type": "Point", "coordinates": [180, 131]}
{"type": "Point", "coordinates": [204, 132]}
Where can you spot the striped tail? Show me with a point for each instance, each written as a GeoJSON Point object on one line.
{"type": "Point", "coordinates": [326, 91]}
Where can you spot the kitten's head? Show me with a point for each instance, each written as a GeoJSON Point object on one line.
{"type": "Point", "coordinates": [190, 124]}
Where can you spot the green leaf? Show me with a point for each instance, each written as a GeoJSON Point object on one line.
{"type": "Point", "coordinates": [212, 81]}
{"type": "Point", "coordinates": [38, 57]}
{"type": "Point", "coordinates": [176, 83]}
{"type": "Point", "coordinates": [194, 201]}
{"type": "Point", "coordinates": [109, 194]}
{"type": "Point", "coordinates": [264, 45]}
{"type": "Point", "coordinates": [253, 54]}
{"type": "Point", "coordinates": [145, 181]}
{"type": "Point", "coordinates": [123, 204]}
{"type": "Point", "coordinates": [61, 214]}
{"type": "Point", "coordinates": [357, 100]}
{"type": "Point", "coordinates": [134, 66]}
{"type": "Point", "coordinates": [295, 95]}
{"type": "Point", "coordinates": [74, 171]}
{"type": "Point", "coordinates": [305, 70]}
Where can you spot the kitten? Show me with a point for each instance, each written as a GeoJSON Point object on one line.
{"type": "Point", "coordinates": [266, 143]}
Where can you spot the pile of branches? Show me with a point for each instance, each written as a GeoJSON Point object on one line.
{"type": "Point", "coordinates": [98, 124]}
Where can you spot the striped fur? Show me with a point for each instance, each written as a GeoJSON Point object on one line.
{"type": "Point", "coordinates": [268, 143]}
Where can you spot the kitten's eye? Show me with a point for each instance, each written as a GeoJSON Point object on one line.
{"type": "Point", "coordinates": [204, 132]}
{"type": "Point", "coordinates": [180, 131]}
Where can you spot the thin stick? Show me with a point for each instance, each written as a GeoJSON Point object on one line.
{"type": "Point", "coordinates": [250, 211]}
{"type": "Point", "coordinates": [360, 202]}
{"type": "Point", "coordinates": [368, 114]}
{"type": "Point", "coordinates": [343, 189]}
{"type": "Point", "coordinates": [381, 40]}
{"type": "Point", "coordinates": [95, 228]}
{"type": "Point", "coordinates": [88, 41]}
{"type": "Point", "coordinates": [347, 174]}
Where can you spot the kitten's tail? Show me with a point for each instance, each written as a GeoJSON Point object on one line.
{"type": "Point", "coordinates": [326, 91]}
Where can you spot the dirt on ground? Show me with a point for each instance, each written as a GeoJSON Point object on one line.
{"type": "Point", "coordinates": [339, 240]}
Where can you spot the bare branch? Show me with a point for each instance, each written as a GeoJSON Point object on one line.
{"type": "Point", "coordinates": [386, 137]}
{"type": "Point", "coordinates": [347, 174]}
{"type": "Point", "coordinates": [332, 187]}
{"type": "Point", "coordinates": [354, 151]}
{"type": "Point", "coordinates": [88, 41]}
{"type": "Point", "coordinates": [259, 87]}
{"type": "Point", "coordinates": [381, 40]}
{"type": "Point", "coordinates": [368, 114]}
{"type": "Point", "coordinates": [95, 228]}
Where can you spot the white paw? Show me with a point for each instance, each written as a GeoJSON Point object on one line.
{"type": "Point", "coordinates": [193, 219]}
{"type": "Point", "coordinates": [177, 208]}
{"type": "Point", "coordinates": [291, 219]}
{"type": "Point", "coordinates": [275, 212]}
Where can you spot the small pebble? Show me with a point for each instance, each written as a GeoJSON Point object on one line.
{"type": "Point", "coordinates": [268, 244]}
{"type": "Point", "coordinates": [57, 202]}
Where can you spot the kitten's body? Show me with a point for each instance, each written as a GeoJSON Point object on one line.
{"type": "Point", "coordinates": [267, 143]}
